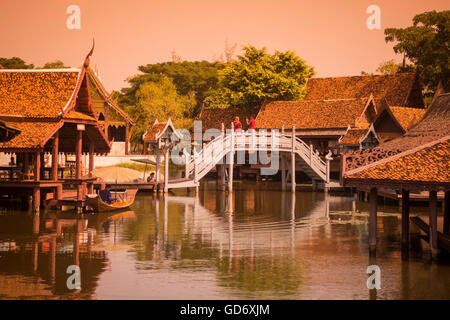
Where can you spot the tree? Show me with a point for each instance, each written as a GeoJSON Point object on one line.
{"type": "Point", "coordinates": [15, 63]}
{"type": "Point", "coordinates": [426, 45]}
{"type": "Point", "coordinates": [58, 64]}
{"type": "Point", "coordinates": [258, 77]}
{"type": "Point", "coordinates": [159, 100]}
{"type": "Point", "coordinates": [197, 78]}
{"type": "Point", "coordinates": [390, 67]}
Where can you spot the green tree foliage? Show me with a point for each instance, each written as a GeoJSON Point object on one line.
{"type": "Point", "coordinates": [258, 77]}
{"type": "Point", "coordinates": [426, 44]}
{"type": "Point", "coordinates": [390, 67]}
{"type": "Point", "coordinates": [15, 63]}
{"type": "Point", "coordinates": [159, 100]}
{"type": "Point", "coordinates": [197, 78]}
{"type": "Point", "coordinates": [58, 64]}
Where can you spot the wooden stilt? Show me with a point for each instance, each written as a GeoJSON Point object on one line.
{"type": "Point", "coordinates": [158, 166]}
{"type": "Point", "coordinates": [91, 157]}
{"type": "Point", "coordinates": [405, 218]}
{"type": "Point", "coordinates": [433, 221]}
{"type": "Point", "coordinates": [222, 177]}
{"type": "Point", "coordinates": [37, 166]}
{"type": "Point", "coordinates": [373, 220]}
{"type": "Point", "coordinates": [55, 157]}
{"type": "Point", "coordinates": [446, 228]}
{"type": "Point", "coordinates": [36, 199]}
{"type": "Point", "coordinates": [78, 150]}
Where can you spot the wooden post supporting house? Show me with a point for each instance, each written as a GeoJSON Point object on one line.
{"type": "Point", "coordinates": [405, 219]}
{"type": "Point", "coordinates": [158, 164]}
{"type": "Point", "coordinates": [433, 221]}
{"type": "Point", "coordinates": [293, 160]}
{"type": "Point", "coordinates": [55, 157]}
{"type": "Point", "coordinates": [91, 165]}
{"type": "Point", "coordinates": [446, 227]}
{"type": "Point", "coordinates": [373, 220]}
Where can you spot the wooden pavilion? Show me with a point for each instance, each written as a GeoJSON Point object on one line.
{"type": "Point", "coordinates": [114, 120]}
{"type": "Point", "coordinates": [53, 113]}
{"type": "Point", "coordinates": [418, 161]}
{"type": "Point", "coordinates": [160, 138]}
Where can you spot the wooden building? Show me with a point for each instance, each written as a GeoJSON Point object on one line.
{"type": "Point", "coordinates": [53, 112]}
{"type": "Point", "coordinates": [348, 113]}
{"type": "Point", "coordinates": [418, 161]}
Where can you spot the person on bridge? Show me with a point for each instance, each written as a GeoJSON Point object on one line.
{"type": "Point", "coordinates": [237, 125]}
{"type": "Point", "coordinates": [251, 125]}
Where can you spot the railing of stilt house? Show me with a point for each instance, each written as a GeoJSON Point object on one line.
{"type": "Point", "coordinates": [216, 150]}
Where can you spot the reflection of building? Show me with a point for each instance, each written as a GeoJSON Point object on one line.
{"type": "Point", "coordinates": [50, 245]}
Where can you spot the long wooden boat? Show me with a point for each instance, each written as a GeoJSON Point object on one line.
{"type": "Point", "coordinates": [123, 200]}
{"type": "Point", "coordinates": [443, 240]}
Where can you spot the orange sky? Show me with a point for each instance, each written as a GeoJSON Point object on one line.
{"type": "Point", "coordinates": [330, 35]}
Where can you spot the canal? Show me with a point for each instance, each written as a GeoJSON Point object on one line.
{"type": "Point", "coordinates": [258, 243]}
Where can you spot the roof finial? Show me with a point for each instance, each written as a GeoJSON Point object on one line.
{"type": "Point", "coordinates": [86, 61]}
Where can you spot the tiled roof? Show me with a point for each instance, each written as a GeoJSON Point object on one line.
{"type": "Point", "coordinates": [407, 117]}
{"type": "Point", "coordinates": [311, 114]}
{"type": "Point", "coordinates": [433, 126]}
{"type": "Point", "coordinates": [32, 134]}
{"type": "Point", "coordinates": [36, 93]}
{"type": "Point", "coordinates": [78, 115]}
{"type": "Point", "coordinates": [353, 136]}
{"type": "Point", "coordinates": [214, 117]}
{"type": "Point", "coordinates": [394, 87]}
{"type": "Point", "coordinates": [431, 164]}
{"type": "Point", "coordinates": [101, 89]}
{"type": "Point", "coordinates": [156, 130]}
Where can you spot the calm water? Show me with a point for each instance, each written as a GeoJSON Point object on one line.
{"type": "Point", "coordinates": [255, 244]}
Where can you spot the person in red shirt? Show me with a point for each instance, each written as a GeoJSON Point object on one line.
{"type": "Point", "coordinates": [251, 125]}
{"type": "Point", "coordinates": [237, 125]}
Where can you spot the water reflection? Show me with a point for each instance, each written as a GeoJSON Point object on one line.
{"type": "Point", "coordinates": [248, 244]}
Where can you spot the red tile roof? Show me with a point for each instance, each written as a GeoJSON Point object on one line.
{"type": "Point", "coordinates": [396, 88]}
{"type": "Point", "coordinates": [155, 131]}
{"type": "Point", "coordinates": [32, 134]}
{"type": "Point", "coordinates": [36, 94]}
{"type": "Point", "coordinates": [311, 114]}
{"type": "Point", "coordinates": [430, 164]}
{"type": "Point", "coordinates": [353, 136]}
{"type": "Point", "coordinates": [407, 117]}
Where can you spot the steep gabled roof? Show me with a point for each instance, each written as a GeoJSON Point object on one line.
{"type": "Point", "coordinates": [158, 129]}
{"type": "Point", "coordinates": [353, 136]}
{"type": "Point", "coordinates": [37, 93]}
{"type": "Point", "coordinates": [396, 88]}
{"type": "Point", "coordinates": [101, 89]}
{"type": "Point", "coordinates": [313, 114]}
{"type": "Point", "coordinates": [433, 126]}
{"type": "Point", "coordinates": [407, 117]}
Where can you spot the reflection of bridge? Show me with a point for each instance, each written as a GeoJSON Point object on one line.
{"type": "Point", "coordinates": [274, 149]}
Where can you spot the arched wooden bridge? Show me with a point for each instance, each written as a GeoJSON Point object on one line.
{"type": "Point", "coordinates": [288, 150]}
